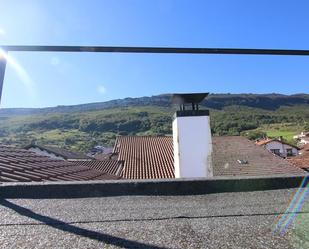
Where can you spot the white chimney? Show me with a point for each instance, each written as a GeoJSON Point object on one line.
{"type": "Point", "coordinates": [191, 138]}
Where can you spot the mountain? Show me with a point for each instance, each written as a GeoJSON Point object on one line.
{"type": "Point", "coordinates": [215, 101]}
{"type": "Point", "coordinates": [159, 100]}
{"type": "Point", "coordinates": [79, 127]}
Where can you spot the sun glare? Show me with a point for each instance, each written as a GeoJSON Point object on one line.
{"type": "Point", "coordinates": [2, 32]}
{"type": "Point", "coordinates": [20, 71]}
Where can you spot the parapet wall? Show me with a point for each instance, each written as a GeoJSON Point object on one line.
{"type": "Point", "coordinates": [196, 186]}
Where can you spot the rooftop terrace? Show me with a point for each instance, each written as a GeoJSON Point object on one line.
{"type": "Point", "coordinates": [218, 220]}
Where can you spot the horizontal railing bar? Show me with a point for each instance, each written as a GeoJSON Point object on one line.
{"type": "Point", "coordinates": [163, 50]}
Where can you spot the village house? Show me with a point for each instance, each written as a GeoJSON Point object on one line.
{"type": "Point", "coordinates": [302, 138]}
{"type": "Point", "coordinates": [279, 147]}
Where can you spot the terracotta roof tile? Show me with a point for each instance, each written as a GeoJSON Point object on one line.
{"type": "Point", "coordinates": [142, 158]}
{"type": "Point", "coordinates": [146, 157]}
{"type": "Point", "coordinates": [302, 163]}
{"type": "Point", "coordinates": [264, 141]}
{"type": "Point", "coordinates": [305, 151]}
{"type": "Point", "coordinates": [302, 160]}
{"type": "Point", "coordinates": [113, 167]}
{"type": "Point", "coordinates": [152, 157]}
{"type": "Point", "coordinates": [227, 150]}
{"type": "Point", "coordinates": [22, 165]}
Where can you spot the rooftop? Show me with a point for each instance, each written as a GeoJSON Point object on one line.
{"type": "Point", "coordinates": [302, 160]}
{"type": "Point", "coordinates": [110, 166]}
{"type": "Point", "coordinates": [264, 141]}
{"type": "Point", "coordinates": [228, 150]}
{"type": "Point", "coordinates": [219, 220]}
{"type": "Point", "coordinates": [23, 165]}
{"type": "Point", "coordinates": [146, 157]}
{"type": "Point", "coordinates": [142, 158]}
{"type": "Point", "coordinates": [152, 157]}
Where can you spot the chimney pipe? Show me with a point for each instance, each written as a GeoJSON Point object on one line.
{"type": "Point", "coordinates": [191, 137]}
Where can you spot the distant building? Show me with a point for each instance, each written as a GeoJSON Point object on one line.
{"type": "Point", "coordinates": [99, 150]}
{"type": "Point", "coordinates": [302, 138]}
{"type": "Point", "coordinates": [279, 147]}
{"type": "Point", "coordinates": [57, 153]}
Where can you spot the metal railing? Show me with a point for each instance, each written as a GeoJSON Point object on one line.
{"type": "Point", "coordinates": [163, 50]}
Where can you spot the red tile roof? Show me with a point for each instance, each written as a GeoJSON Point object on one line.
{"type": "Point", "coordinates": [109, 166]}
{"type": "Point", "coordinates": [146, 157]}
{"type": "Point", "coordinates": [305, 150]}
{"type": "Point", "coordinates": [22, 165]}
{"type": "Point", "coordinates": [302, 160]}
{"type": "Point", "coordinates": [142, 158]}
{"type": "Point", "coordinates": [264, 141]}
{"type": "Point", "coordinates": [302, 163]}
{"type": "Point", "coordinates": [227, 150]}
{"type": "Point", "coordinates": [152, 157]}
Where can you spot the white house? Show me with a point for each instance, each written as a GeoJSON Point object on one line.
{"type": "Point", "coordinates": [279, 147]}
{"type": "Point", "coordinates": [302, 138]}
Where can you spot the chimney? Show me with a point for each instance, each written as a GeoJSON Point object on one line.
{"type": "Point", "coordinates": [191, 137]}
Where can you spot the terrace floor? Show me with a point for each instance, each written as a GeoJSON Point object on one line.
{"type": "Point", "coordinates": [222, 220]}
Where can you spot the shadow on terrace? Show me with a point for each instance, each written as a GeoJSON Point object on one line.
{"type": "Point", "coordinates": [66, 227]}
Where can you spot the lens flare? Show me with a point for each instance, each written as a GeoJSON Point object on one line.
{"type": "Point", "coordinates": [20, 71]}
{"type": "Point", "coordinates": [296, 209]}
{"type": "Point", "coordinates": [295, 206]}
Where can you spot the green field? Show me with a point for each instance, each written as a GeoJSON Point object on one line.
{"type": "Point", "coordinates": [288, 135]}
{"type": "Point", "coordinates": [285, 130]}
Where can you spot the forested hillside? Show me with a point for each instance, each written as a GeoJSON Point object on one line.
{"type": "Point", "coordinates": [80, 127]}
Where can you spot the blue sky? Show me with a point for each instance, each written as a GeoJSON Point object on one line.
{"type": "Point", "coordinates": [49, 79]}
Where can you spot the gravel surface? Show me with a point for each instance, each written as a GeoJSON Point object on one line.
{"type": "Point", "coordinates": [225, 220]}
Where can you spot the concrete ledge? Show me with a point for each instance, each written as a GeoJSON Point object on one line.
{"type": "Point", "coordinates": [147, 187]}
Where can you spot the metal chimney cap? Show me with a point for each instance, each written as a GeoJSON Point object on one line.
{"type": "Point", "coordinates": [188, 98]}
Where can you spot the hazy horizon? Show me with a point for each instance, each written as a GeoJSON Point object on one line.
{"type": "Point", "coordinates": [86, 103]}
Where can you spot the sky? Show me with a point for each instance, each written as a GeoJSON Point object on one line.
{"type": "Point", "coordinates": [50, 79]}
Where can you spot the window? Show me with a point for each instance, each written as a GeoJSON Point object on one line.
{"type": "Point", "coordinates": [289, 152]}
{"type": "Point", "coordinates": [276, 151]}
